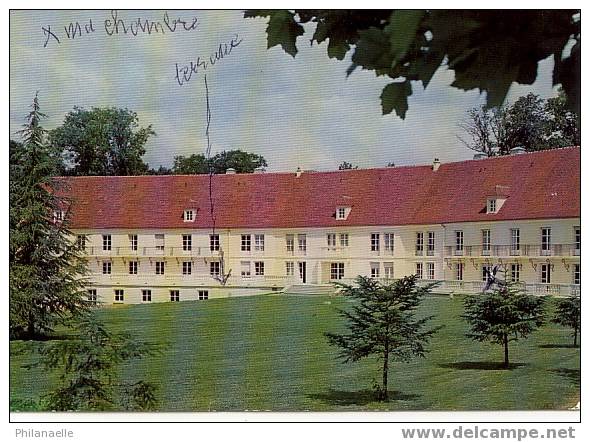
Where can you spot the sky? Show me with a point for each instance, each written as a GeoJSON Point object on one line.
{"type": "Point", "coordinates": [296, 112]}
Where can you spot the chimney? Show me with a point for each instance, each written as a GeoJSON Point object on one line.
{"type": "Point", "coordinates": [230, 171]}
{"type": "Point", "coordinates": [517, 150]}
{"type": "Point", "coordinates": [298, 172]}
{"type": "Point", "coordinates": [480, 156]}
{"type": "Point", "coordinates": [259, 170]}
{"type": "Point", "coordinates": [435, 164]}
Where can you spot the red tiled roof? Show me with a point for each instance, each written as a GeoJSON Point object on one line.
{"type": "Point", "coordinates": [539, 185]}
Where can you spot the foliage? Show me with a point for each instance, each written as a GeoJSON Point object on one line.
{"type": "Point", "coordinates": [383, 323]}
{"type": "Point", "coordinates": [503, 315]}
{"type": "Point", "coordinates": [46, 266]}
{"type": "Point", "coordinates": [196, 164]}
{"type": "Point", "coordinates": [530, 122]}
{"type": "Point", "coordinates": [568, 314]}
{"type": "Point", "coordinates": [102, 141]}
{"type": "Point", "coordinates": [487, 49]}
{"type": "Point", "coordinates": [87, 365]}
{"type": "Point", "coordinates": [345, 165]}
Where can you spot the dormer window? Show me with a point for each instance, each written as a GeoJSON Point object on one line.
{"type": "Point", "coordinates": [491, 206]}
{"type": "Point", "coordinates": [58, 216]}
{"type": "Point", "coordinates": [342, 212]}
{"type": "Point", "coordinates": [189, 216]}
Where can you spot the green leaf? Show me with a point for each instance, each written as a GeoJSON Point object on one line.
{"type": "Point", "coordinates": [373, 50]}
{"type": "Point", "coordinates": [283, 30]}
{"type": "Point", "coordinates": [395, 97]}
{"type": "Point", "coordinates": [403, 27]}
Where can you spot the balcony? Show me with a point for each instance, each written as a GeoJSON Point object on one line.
{"type": "Point", "coordinates": [528, 250]}
{"type": "Point", "coordinates": [151, 252]}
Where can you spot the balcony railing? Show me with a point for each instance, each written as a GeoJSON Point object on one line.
{"type": "Point", "coordinates": [151, 251]}
{"type": "Point", "coordinates": [529, 250]}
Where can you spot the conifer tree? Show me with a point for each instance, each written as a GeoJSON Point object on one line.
{"type": "Point", "coordinates": [383, 323]}
{"type": "Point", "coordinates": [46, 265]}
{"type": "Point", "coordinates": [503, 315]}
{"type": "Point", "coordinates": [568, 314]}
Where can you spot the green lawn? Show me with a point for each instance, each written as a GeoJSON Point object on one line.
{"type": "Point", "coordinates": [269, 353]}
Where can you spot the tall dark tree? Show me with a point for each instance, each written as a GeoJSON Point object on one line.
{"type": "Point", "coordinates": [102, 141]}
{"type": "Point", "coordinates": [383, 323]}
{"type": "Point", "coordinates": [503, 315]}
{"type": "Point", "coordinates": [568, 314]}
{"type": "Point", "coordinates": [487, 49]}
{"type": "Point", "coordinates": [47, 267]}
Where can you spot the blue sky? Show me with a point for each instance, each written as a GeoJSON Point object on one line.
{"type": "Point", "coordinates": [300, 111]}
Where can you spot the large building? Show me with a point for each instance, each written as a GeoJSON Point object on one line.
{"type": "Point", "coordinates": [171, 238]}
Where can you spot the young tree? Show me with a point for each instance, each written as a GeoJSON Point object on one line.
{"type": "Point", "coordinates": [87, 365]}
{"type": "Point", "coordinates": [383, 323]}
{"type": "Point", "coordinates": [568, 314]}
{"type": "Point", "coordinates": [503, 315]}
{"type": "Point", "coordinates": [242, 162]}
{"type": "Point", "coordinates": [103, 141]}
{"type": "Point", "coordinates": [47, 267]}
{"type": "Point", "coordinates": [195, 164]}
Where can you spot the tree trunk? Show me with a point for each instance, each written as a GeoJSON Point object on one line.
{"type": "Point", "coordinates": [30, 333]}
{"type": "Point", "coordinates": [383, 395]}
{"type": "Point", "coordinates": [506, 362]}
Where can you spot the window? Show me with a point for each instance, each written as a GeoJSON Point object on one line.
{"type": "Point", "coordinates": [430, 249]}
{"type": "Point", "coordinates": [133, 267]}
{"type": "Point", "coordinates": [577, 240]}
{"type": "Point", "coordinates": [215, 268]}
{"type": "Point", "coordinates": [246, 243]}
{"type": "Point", "coordinates": [546, 273]}
{"type": "Point", "coordinates": [515, 241]}
{"type": "Point", "coordinates": [187, 242]}
{"type": "Point", "coordinates": [187, 268]}
{"type": "Point", "coordinates": [290, 241]}
{"type": "Point", "coordinates": [485, 268]}
{"type": "Point", "coordinates": [375, 270]}
{"type": "Point", "coordinates": [290, 268]}
{"type": "Point", "coordinates": [515, 272]}
{"type": "Point", "coordinates": [331, 239]}
{"type": "Point", "coordinates": [259, 268]}
{"type": "Point", "coordinates": [174, 295]}
{"type": "Point", "coordinates": [146, 295]}
{"type": "Point", "coordinates": [106, 242]}
{"type": "Point", "coordinates": [214, 243]}
{"type": "Point", "coordinates": [459, 271]}
{"type": "Point", "coordinates": [81, 241]}
{"type": "Point", "coordinates": [485, 242]}
{"type": "Point", "coordinates": [245, 269]}
{"type": "Point", "coordinates": [160, 267]}
{"type": "Point", "coordinates": [259, 243]}
{"type": "Point", "coordinates": [419, 243]}
{"type": "Point", "coordinates": [419, 270]}
{"type": "Point", "coordinates": [389, 242]}
{"type": "Point", "coordinates": [203, 295]}
{"type": "Point", "coordinates": [302, 242]}
{"type": "Point", "coordinates": [159, 240]}
{"type": "Point", "coordinates": [341, 213]}
{"type": "Point", "coordinates": [576, 273]}
{"type": "Point", "coordinates": [344, 240]}
{"type": "Point", "coordinates": [189, 216]}
{"type": "Point", "coordinates": [119, 295]}
{"type": "Point", "coordinates": [458, 242]}
{"type": "Point", "coordinates": [491, 205]}
{"type": "Point", "coordinates": [546, 241]}
{"type": "Point", "coordinates": [133, 242]}
{"type": "Point", "coordinates": [388, 270]}
{"type": "Point", "coordinates": [106, 267]}
{"type": "Point", "coordinates": [92, 295]}
{"type": "Point", "coordinates": [336, 270]}
{"type": "Point", "coordinates": [58, 216]}
{"type": "Point", "coordinates": [430, 270]}
{"type": "Point", "coordinates": [375, 242]}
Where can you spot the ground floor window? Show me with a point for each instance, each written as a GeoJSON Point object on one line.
{"type": "Point", "coordinates": [187, 268]}
{"type": "Point", "coordinates": [336, 270]}
{"type": "Point", "coordinates": [290, 268]}
{"type": "Point", "coordinates": [576, 273]}
{"type": "Point", "coordinates": [388, 270]}
{"type": "Point", "coordinates": [92, 295]}
{"type": "Point", "coordinates": [119, 295]}
{"type": "Point", "coordinates": [459, 271]}
{"type": "Point", "coordinates": [430, 270]}
{"type": "Point", "coordinates": [374, 270]}
{"type": "Point", "coordinates": [133, 267]}
{"type": "Point", "coordinates": [215, 268]}
{"type": "Point", "coordinates": [160, 267]}
{"type": "Point", "coordinates": [486, 270]}
{"type": "Point", "coordinates": [546, 273]}
{"type": "Point", "coordinates": [174, 295]}
{"type": "Point", "coordinates": [245, 269]}
{"type": "Point", "coordinates": [146, 295]}
{"type": "Point", "coordinates": [515, 272]}
{"type": "Point", "coordinates": [419, 270]}
{"type": "Point", "coordinates": [259, 268]}
{"type": "Point", "coordinates": [106, 267]}
{"type": "Point", "coordinates": [203, 295]}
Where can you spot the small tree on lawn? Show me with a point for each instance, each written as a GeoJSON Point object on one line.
{"type": "Point", "coordinates": [568, 314]}
{"type": "Point", "coordinates": [505, 314]}
{"type": "Point", "coordinates": [383, 323]}
{"type": "Point", "coordinates": [87, 364]}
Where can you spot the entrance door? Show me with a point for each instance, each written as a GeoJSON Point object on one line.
{"type": "Point", "coordinates": [302, 272]}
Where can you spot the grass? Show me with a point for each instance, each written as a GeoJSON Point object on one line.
{"type": "Point", "coordinates": [269, 353]}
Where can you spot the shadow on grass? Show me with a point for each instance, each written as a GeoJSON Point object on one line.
{"type": "Point", "coordinates": [361, 397]}
{"type": "Point", "coordinates": [559, 346]}
{"type": "Point", "coordinates": [480, 365]}
{"type": "Point", "coordinates": [571, 374]}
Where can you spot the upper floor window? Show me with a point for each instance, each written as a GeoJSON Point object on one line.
{"type": "Point", "coordinates": [486, 243]}
{"type": "Point", "coordinates": [577, 239]}
{"type": "Point", "coordinates": [389, 242]}
{"type": "Point", "coordinates": [302, 242]}
{"type": "Point", "coordinates": [375, 240]}
{"type": "Point", "coordinates": [419, 243]}
{"type": "Point", "coordinates": [58, 216]}
{"type": "Point", "coordinates": [106, 242]}
{"type": "Point", "coordinates": [546, 240]}
{"type": "Point", "coordinates": [133, 242]}
{"type": "Point", "coordinates": [459, 241]}
{"type": "Point", "coordinates": [331, 239]}
{"type": "Point", "coordinates": [246, 244]}
{"type": "Point", "coordinates": [259, 268]}
{"type": "Point", "coordinates": [430, 249]}
{"type": "Point", "coordinates": [344, 240]}
{"type": "Point", "coordinates": [189, 216]}
{"type": "Point", "coordinates": [160, 267]}
{"type": "Point", "coordinates": [81, 241]}
{"type": "Point", "coordinates": [159, 240]}
{"type": "Point", "coordinates": [514, 241]}
{"type": "Point", "coordinates": [492, 205]}
{"type": "Point", "coordinates": [214, 243]}
{"type": "Point", "coordinates": [259, 243]}
{"type": "Point", "coordinates": [342, 212]}
{"type": "Point", "coordinates": [187, 242]}
{"type": "Point", "coordinates": [290, 242]}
